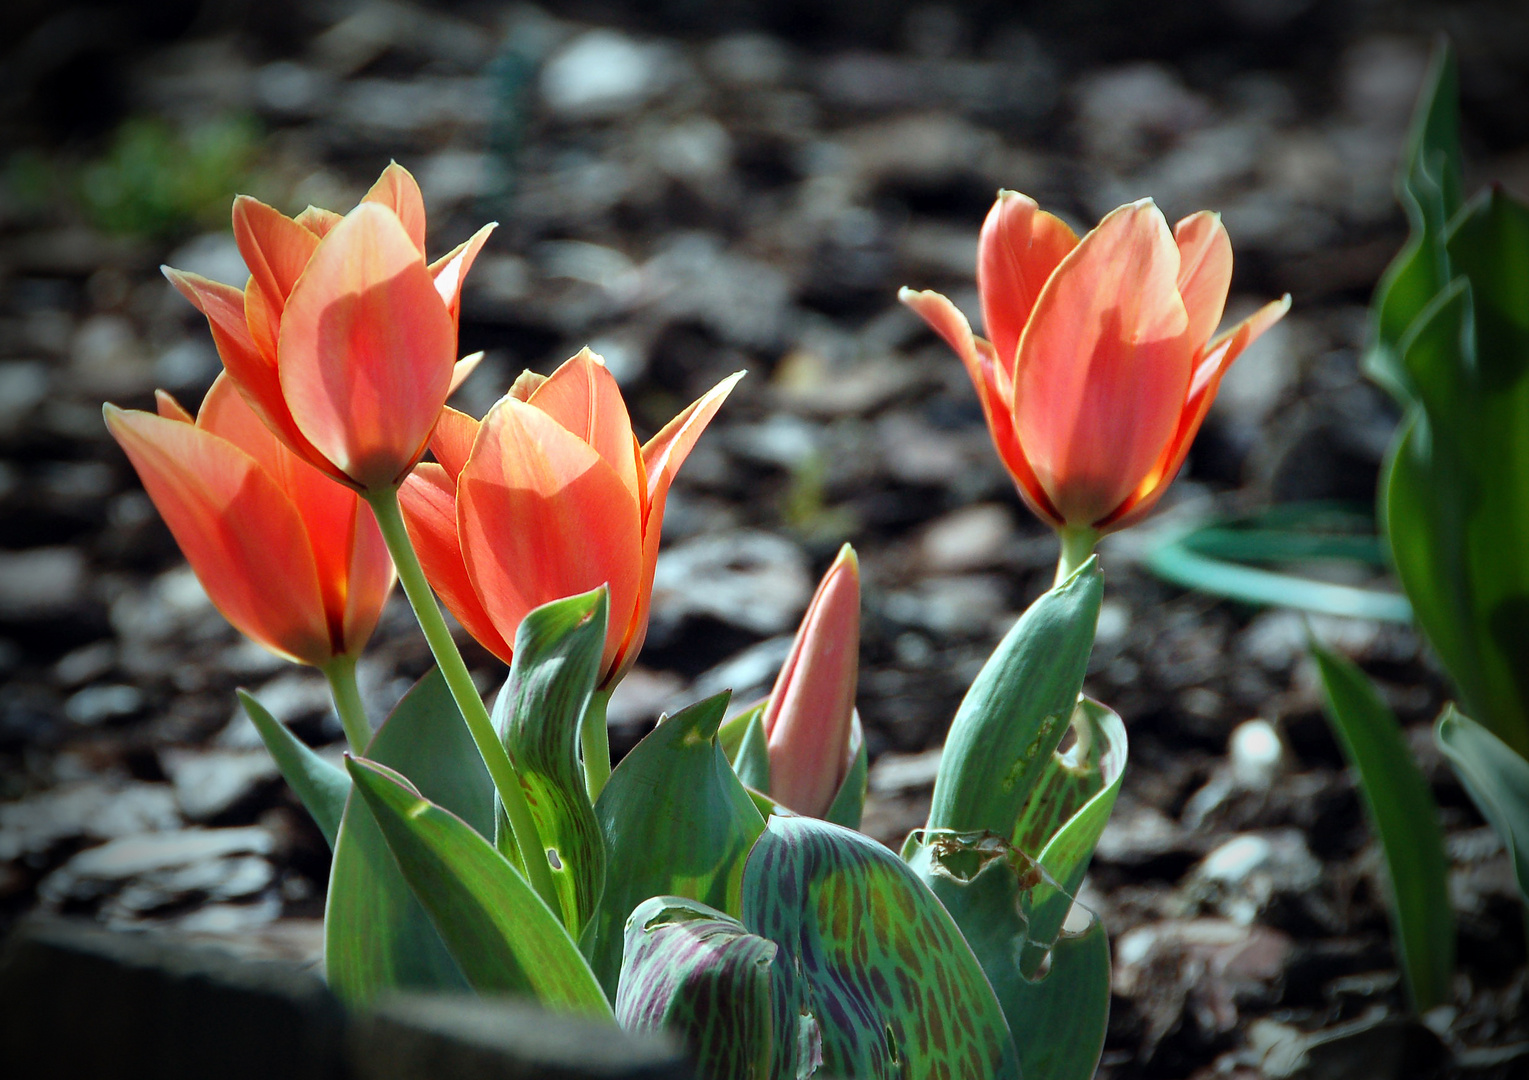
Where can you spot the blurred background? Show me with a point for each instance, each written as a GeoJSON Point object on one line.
{"type": "Point", "coordinates": [693, 188]}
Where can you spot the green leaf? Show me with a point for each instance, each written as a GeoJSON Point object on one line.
{"type": "Point", "coordinates": [1497, 780]}
{"type": "Point", "coordinates": [501, 934]}
{"type": "Point", "coordinates": [556, 666]}
{"type": "Point", "coordinates": [1489, 244]}
{"type": "Point", "coordinates": [1429, 189]}
{"type": "Point", "coordinates": [1401, 810]}
{"type": "Point", "coordinates": [1059, 1019]}
{"type": "Point", "coordinates": [376, 936]}
{"type": "Point", "coordinates": [873, 957]}
{"type": "Point", "coordinates": [849, 800]}
{"type": "Point", "coordinates": [1017, 710]}
{"type": "Point", "coordinates": [693, 971]}
{"type": "Point", "coordinates": [677, 822]}
{"type": "Point", "coordinates": [321, 785]}
{"type": "Point", "coordinates": [751, 756]}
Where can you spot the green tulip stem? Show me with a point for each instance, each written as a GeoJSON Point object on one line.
{"type": "Point", "coordinates": [533, 856]}
{"type": "Point", "coordinates": [1077, 545]}
{"type": "Point", "coordinates": [341, 673]}
{"type": "Point", "coordinates": [595, 742]}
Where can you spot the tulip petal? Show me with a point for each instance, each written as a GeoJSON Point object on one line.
{"type": "Point", "coordinates": [450, 270]}
{"type": "Point", "coordinates": [253, 372]}
{"type": "Point", "coordinates": [319, 221]}
{"type": "Point", "coordinates": [1019, 247]}
{"type": "Point", "coordinates": [1215, 359]}
{"type": "Point", "coordinates": [326, 508]}
{"type": "Point", "coordinates": [462, 369]}
{"type": "Point", "coordinates": [807, 722]}
{"type": "Point", "coordinates": [239, 532]}
{"type": "Point", "coordinates": [541, 515]}
{"type": "Point", "coordinates": [582, 395]}
{"type": "Point", "coordinates": [994, 393]}
{"type": "Point", "coordinates": [452, 440]}
{"type": "Point", "coordinates": [275, 248]}
{"type": "Point", "coordinates": [397, 189]}
{"type": "Point", "coordinates": [428, 497]}
{"type": "Point", "coordinates": [1104, 365]}
{"type": "Point", "coordinates": [366, 349]}
{"type": "Point", "coordinates": [1205, 271]}
{"type": "Point", "coordinates": [369, 579]}
{"type": "Point", "coordinates": [166, 406]}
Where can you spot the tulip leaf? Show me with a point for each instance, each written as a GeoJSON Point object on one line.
{"type": "Point", "coordinates": [690, 970]}
{"type": "Point", "coordinates": [733, 731]}
{"type": "Point", "coordinates": [1401, 810]}
{"type": "Point", "coordinates": [677, 822]}
{"type": "Point", "coordinates": [376, 935]}
{"type": "Point", "coordinates": [873, 957]}
{"type": "Point", "coordinates": [751, 758]}
{"type": "Point", "coordinates": [1012, 904]}
{"type": "Point", "coordinates": [556, 666]}
{"type": "Point", "coordinates": [1017, 710]}
{"type": "Point", "coordinates": [1429, 188]}
{"type": "Point", "coordinates": [849, 800]}
{"type": "Point", "coordinates": [321, 785]}
{"type": "Point", "coordinates": [1497, 780]}
{"type": "Point", "coordinates": [502, 935]}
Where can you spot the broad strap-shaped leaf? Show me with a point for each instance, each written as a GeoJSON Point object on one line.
{"type": "Point", "coordinates": [693, 971]}
{"type": "Point", "coordinates": [321, 785]}
{"type": "Point", "coordinates": [1401, 809]}
{"type": "Point", "coordinates": [376, 936]}
{"type": "Point", "coordinates": [1497, 780]}
{"type": "Point", "coordinates": [751, 755]}
{"type": "Point", "coordinates": [1017, 710]}
{"type": "Point", "coordinates": [872, 955]}
{"type": "Point", "coordinates": [502, 935]}
{"type": "Point", "coordinates": [676, 822]}
{"type": "Point", "coordinates": [1059, 1019]}
{"type": "Point", "coordinates": [734, 728]}
{"type": "Point", "coordinates": [1430, 190]}
{"type": "Point", "coordinates": [849, 801]}
{"type": "Point", "coordinates": [538, 713]}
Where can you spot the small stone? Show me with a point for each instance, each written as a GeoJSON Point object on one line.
{"type": "Point", "coordinates": [1256, 754]}
{"type": "Point", "coordinates": [894, 772]}
{"type": "Point", "coordinates": [749, 674]}
{"type": "Point", "coordinates": [1241, 877]}
{"type": "Point", "coordinates": [24, 384]}
{"type": "Point", "coordinates": [38, 582]}
{"type": "Point", "coordinates": [94, 809]}
{"type": "Point", "coordinates": [972, 538]}
{"type": "Point", "coordinates": [97, 704]}
{"type": "Point", "coordinates": [603, 74]}
{"type": "Point", "coordinates": [753, 580]}
{"type": "Point", "coordinates": [965, 604]}
{"type": "Point", "coordinates": [85, 664]}
{"type": "Point", "coordinates": [748, 60]}
{"type": "Point", "coordinates": [209, 782]}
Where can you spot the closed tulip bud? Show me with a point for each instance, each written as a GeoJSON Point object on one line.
{"type": "Point", "coordinates": [1103, 358]}
{"type": "Point", "coordinates": [292, 559]}
{"type": "Point", "coordinates": [811, 712]}
{"type": "Point", "coordinates": [344, 340]}
{"type": "Point", "coordinates": [550, 495]}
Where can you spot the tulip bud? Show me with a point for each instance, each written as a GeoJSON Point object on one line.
{"type": "Point", "coordinates": [809, 719]}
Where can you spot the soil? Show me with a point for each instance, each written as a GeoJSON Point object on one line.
{"type": "Point", "coordinates": [692, 190]}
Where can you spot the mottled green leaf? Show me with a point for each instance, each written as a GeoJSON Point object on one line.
{"type": "Point", "coordinates": [556, 666]}
{"type": "Point", "coordinates": [502, 935]}
{"type": "Point", "coordinates": [870, 953]}
{"type": "Point", "coordinates": [693, 971]}
{"type": "Point", "coordinates": [1497, 780]}
{"type": "Point", "coordinates": [677, 822]}
{"type": "Point", "coordinates": [1016, 712]}
{"type": "Point", "coordinates": [321, 785]}
{"type": "Point", "coordinates": [376, 936]}
{"type": "Point", "coordinates": [1401, 810]}
{"type": "Point", "coordinates": [1059, 1018]}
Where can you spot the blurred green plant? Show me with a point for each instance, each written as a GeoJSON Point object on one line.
{"type": "Point", "coordinates": [157, 181]}
{"type": "Point", "coordinates": [152, 181]}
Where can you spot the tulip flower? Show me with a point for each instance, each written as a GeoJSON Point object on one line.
{"type": "Point", "coordinates": [344, 339]}
{"type": "Point", "coordinates": [549, 496]}
{"type": "Point", "coordinates": [292, 559]}
{"type": "Point", "coordinates": [810, 719]}
{"type": "Point", "coordinates": [1101, 362]}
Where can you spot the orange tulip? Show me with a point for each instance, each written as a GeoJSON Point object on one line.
{"type": "Point", "coordinates": [292, 559]}
{"type": "Point", "coordinates": [549, 496]}
{"type": "Point", "coordinates": [810, 719]}
{"type": "Point", "coordinates": [344, 340]}
{"type": "Point", "coordinates": [1102, 362]}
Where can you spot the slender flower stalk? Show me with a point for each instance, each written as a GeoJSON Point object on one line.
{"type": "Point", "coordinates": [448, 658]}
{"type": "Point", "coordinates": [341, 675]}
{"type": "Point", "coordinates": [595, 742]}
{"type": "Point", "coordinates": [1077, 545]}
